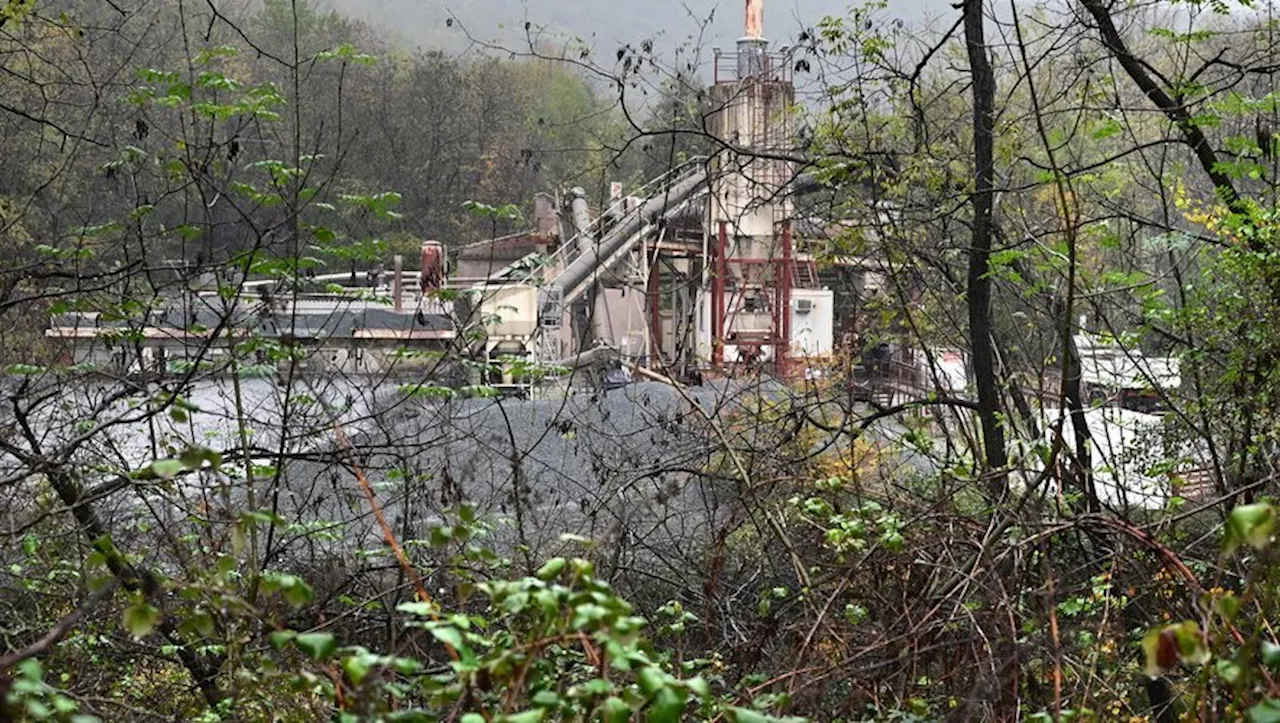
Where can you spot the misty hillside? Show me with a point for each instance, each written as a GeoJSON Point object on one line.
{"type": "Point", "coordinates": [603, 23]}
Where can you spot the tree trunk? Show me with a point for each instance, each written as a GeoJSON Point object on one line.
{"type": "Point", "coordinates": [1174, 110]}
{"type": "Point", "coordinates": [979, 280]}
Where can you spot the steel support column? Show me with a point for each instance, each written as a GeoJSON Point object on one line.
{"type": "Point", "coordinates": [653, 294]}
{"type": "Point", "coordinates": [720, 270]}
{"type": "Point", "coordinates": [785, 283]}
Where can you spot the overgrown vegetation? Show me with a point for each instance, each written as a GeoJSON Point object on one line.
{"type": "Point", "coordinates": [235, 537]}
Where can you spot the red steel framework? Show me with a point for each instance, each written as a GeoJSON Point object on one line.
{"type": "Point", "coordinates": [653, 294]}
{"type": "Point", "coordinates": [722, 331]}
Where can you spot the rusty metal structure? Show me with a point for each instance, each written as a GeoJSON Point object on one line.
{"type": "Point", "coordinates": [431, 267]}
{"type": "Point", "coordinates": [752, 249]}
{"type": "Point", "coordinates": [699, 270]}
{"type": "Point", "coordinates": [696, 271]}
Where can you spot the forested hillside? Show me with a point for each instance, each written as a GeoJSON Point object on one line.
{"type": "Point", "coordinates": [439, 130]}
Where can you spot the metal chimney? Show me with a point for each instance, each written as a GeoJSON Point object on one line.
{"type": "Point", "coordinates": [752, 47]}
{"type": "Point", "coordinates": [755, 19]}
{"type": "Point", "coordinates": [432, 267]}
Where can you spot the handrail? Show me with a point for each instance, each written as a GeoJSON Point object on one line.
{"type": "Point", "coordinates": [567, 246]}
{"type": "Point", "coordinates": [571, 280]}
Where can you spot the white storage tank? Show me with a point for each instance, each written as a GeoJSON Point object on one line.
{"type": "Point", "coordinates": [508, 311]}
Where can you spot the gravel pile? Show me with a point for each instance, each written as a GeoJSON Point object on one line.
{"type": "Point", "coordinates": [619, 467]}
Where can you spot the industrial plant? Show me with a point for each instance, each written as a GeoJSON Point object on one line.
{"type": "Point", "coordinates": [700, 271]}
{"type": "Point", "coordinates": [707, 271]}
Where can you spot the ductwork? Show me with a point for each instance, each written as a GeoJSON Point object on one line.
{"type": "Point", "coordinates": [594, 258]}
{"type": "Point", "coordinates": [577, 277]}
{"type": "Point", "coordinates": [596, 355]}
{"type": "Point", "coordinates": [585, 322]}
{"type": "Point", "coordinates": [580, 214]}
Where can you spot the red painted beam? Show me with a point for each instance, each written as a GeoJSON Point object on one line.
{"type": "Point", "coordinates": [785, 284]}
{"type": "Point", "coordinates": [653, 294]}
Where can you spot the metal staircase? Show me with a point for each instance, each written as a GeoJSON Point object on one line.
{"type": "Point", "coordinates": [804, 274]}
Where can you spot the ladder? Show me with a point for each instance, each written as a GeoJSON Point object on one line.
{"type": "Point", "coordinates": [805, 274]}
{"type": "Point", "coordinates": [882, 397]}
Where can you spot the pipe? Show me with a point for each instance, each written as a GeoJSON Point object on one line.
{"type": "Point", "coordinates": [431, 270]}
{"type": "Point", "coordinates": [718, 280]}
{"type": "Point", "coordinates": [397, 282]}
{"type": "Point", "coordinates": [653, 291]}
{"type": "Point", "coordinates": [593, 323]}
{"type": "Point", "coordinates": [651, 374]}
{"type": "Point", "coordinates": [785, 287]}
{"type": "Point", "coordinates": [580, 213]}
{"type": "Point", "coordinates": [595, 355]}
{"type": "Point", "coordinates": [755, 19]}
{"type": "Point", "coordinates": [577, 277]}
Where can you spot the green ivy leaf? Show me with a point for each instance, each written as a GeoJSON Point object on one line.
{"type": "Point", "coordinates": [296, 591]}
{"type": "Point", "coordinates": [1268, 711]}
{"type": "Point", "coordinates": [448, 635]}
{"type": "Point", "coordinates": [420, 609]}
{"type": "Point", "coordinates": [166, 468]}
{"type": "Point", "coordinates": [516, 602]}
{"type": "Point", "coordinates": [651, 679]}
{"type": "Point", "coordinates": [201, 623]}
{"type": "Point", "coordinates": [141, 618]}
{"type": "Point", "coordinates": [299, 593]}
{"type": "Point", "coordinates": [1228, 606]}
{"type": "Point", "coordinates": [528, 716]}
{"type": "Point", "coordinates": [1270, 654]}
{"type": "Point", "coordinates": [357, 667]}
{"type": "Point", "coordinates": [551, 569]}
{"type": "Point", "coordinates": [195, 457]}
{"type": "Point", "coordinates": [452, 637]}
{"type": "Point", "coordinates": [317, 645]}
{"type": "Point", "coordinates": [615, 710]}
{"type": "Point", "coordinates": [1251, 525]}
{"type": "Point", "coordinates": [546, 699]}
{"type": "Point", "coordinates": [597, 686]}
{"type": "Point", "coordinates": [667, 705]}
{"type": "Point", "coordinates": [1229, 671]}
{"type": "Point", "coordinates": [30, 669]}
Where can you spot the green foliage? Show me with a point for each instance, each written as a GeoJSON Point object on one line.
{"type": "Point", "coordinates": [37, 700]}
{"type": "Point", "coordinates": [558, 645]}
{"type": "Point", "coordinates": [1239, 647]}
{"type": "Point", "coordinates": [1252, 525]}
{"type": "Point", "coordinates": [317, 646]}
{"type": "Point", "coordinates": [141, 618]}
{"type": "Point", "coordinates": [893, 595]}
